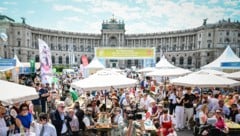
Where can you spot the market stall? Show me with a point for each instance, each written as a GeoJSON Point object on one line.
{"type": "Point", "coordinates": [13, 93]}
{"type": "Point", "coordinates": [103, 80]}
{"type": "Point", "coordinates": [204, 80]}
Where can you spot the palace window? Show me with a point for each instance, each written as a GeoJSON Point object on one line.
{"type": "Point", "coordinates": [182, 47]}
{"type": "Point", "coordinates": [60, 59]}
{"type": "Point", "coordinates": [36, 58]}
{"type": "Point", "coordinates": [53, 60]}
{"type": "Point", "coordinates": [59, 47]}
{"type": "Point", "coordinates": [173, 60]}
{"type": "Point", "coordinates": [67, 60]}
{"type": "Point", "coordinates": [189, 60]}
{"type": "Point", "coordinates": [227, 33]}
{"type": "Point", "coordinates": [209, 34]}
{"type": "Point", "coordinates": [174, 48]}
{"type": "Point", "coordinates": [181, 60]}
{"type": "Point", "coordinates": [19, 43]}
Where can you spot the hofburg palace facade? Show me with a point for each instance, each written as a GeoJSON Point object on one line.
{"type": "Point", "coordinates": [189, 48]}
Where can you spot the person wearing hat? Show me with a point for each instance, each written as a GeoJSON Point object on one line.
{"type": "Point", "coordinates": [3, 127]}
{"type": "Point", "coordinates": [60, 120]}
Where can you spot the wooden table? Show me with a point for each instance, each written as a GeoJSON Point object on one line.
{"type": "Point", "coordinates": [105, 129]}
{"type": "Point", "coordinates": [234, 128]}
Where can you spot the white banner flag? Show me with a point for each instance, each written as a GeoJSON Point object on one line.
{"type": "Point", "coordinates": [45, 61]}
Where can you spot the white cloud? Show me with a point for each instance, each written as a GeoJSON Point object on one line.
{"type": "Point", "coordinates": [120, 10]}
{"type": "Point", "coordinates": [141, 27]}
{"type": "Point", "coordinates": [183, 15]}
{"type": "Point", "coordinates": [213, 1]}
{"type": "Point", "coordinates": [231, 2]}
{"type": "Point", "coordinates": [73, 19]}
{"type": "Point", "coordinates": [9, 3]}
{"type": "Point", "coordinates": [67, 8]}
{"type": "Point", "coordinates": [31, 12]}
{"type": "Point", "coordinates": [2, 9]}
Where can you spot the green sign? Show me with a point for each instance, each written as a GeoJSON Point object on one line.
{"type": "Point", "coordinates": [32, 65]}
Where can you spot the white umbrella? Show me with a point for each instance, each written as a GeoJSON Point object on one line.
{"type": "Point", "coordinates": [112, 69]}
{"type": "Point", "coordinates": [235, 75]}
{"type": "Point", "coordinates": [95, 64]}
{"type": "Point", "coordinates": [204, 80]}
{"type": "Point", "coordinates": [104, 80]}
{"type": "Point", "coordinates": [13, 93]}
{"type": "Point", "coordinates": [169, 72]}
{"type": "Point", "coordinates": [212, 71]}
{"type": "Point", "coordinates": [147, 69]}
{"type": "Point", "coordinates": [164, 63]}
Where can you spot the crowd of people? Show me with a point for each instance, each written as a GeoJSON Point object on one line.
{"type": "Point", "coordinates": [64, 111]}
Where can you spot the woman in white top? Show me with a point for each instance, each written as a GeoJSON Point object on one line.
{"type": "Point", "coordinates": [203, 114]}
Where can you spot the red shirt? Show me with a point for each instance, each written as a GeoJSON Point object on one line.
{"type": "Point", "coordinates": [220, 123]}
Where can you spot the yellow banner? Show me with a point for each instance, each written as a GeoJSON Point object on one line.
{"type": "Point", "coordinates": [125, 53]}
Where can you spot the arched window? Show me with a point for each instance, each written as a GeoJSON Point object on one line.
{"type": "Point", "coordinates": [60, 59]}
{"type": "Point", "coordinates": [189, 60]}
{"type": "Point", "coordinates": [181, 60]}
{"type": "Point", "coordinates": [173, 60]}
{"type": "Point", "coordinates": [36, 58]}
{"type": "Point", "coordinates": [67, 60]}
{"type": "Point", "coordinates": [53, 60]}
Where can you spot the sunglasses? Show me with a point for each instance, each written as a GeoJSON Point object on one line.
{"type": "Point", "coordinates": [62, 106]}
{"type": "Point", "coordinates": [25, 109]}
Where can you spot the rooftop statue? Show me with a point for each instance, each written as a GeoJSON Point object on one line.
{"type": "Point", "coordinates": [205, 21]}
{"type": "Point", "coordinates": [113, 20]}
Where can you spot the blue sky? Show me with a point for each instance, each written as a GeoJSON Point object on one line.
{"type": "Point", "coordinates": [140, 16]}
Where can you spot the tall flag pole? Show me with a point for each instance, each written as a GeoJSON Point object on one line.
{"type": "Point", "coordinates": [45, 61]}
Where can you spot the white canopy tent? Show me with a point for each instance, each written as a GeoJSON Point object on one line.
{"type": "Point", "coordinates": [6, 68]}
{"type": "Point", "coordinates": [145, 70]}
{"type": "Point", "coordinates": [227, 56]}
{"type": "Point", "coordinates": [235, 75]}
{"type": "Point", "coordinates": [204, 80]}
{"type": "Point", "coordinates": [18, 63]}
{"type": "Point", "coordinates": [164, 63]}
{"type": "Point", "coordinates": [104, 80]}
{"type": "Point", "coordinates": [112, 69]}
{"type": "Point", "coordinates": [94, 66]}
{"type": "Point", "coordinates": [169, 72]}
{"type": "Point", "coordinates": [11, 93]}
{"type": "Point", "coordinates": [212, 71]}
